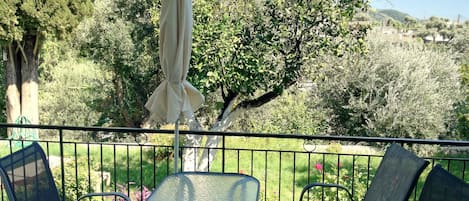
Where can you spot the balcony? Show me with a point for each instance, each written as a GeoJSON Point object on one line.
{"type": "Point", "coordinates": [84, 159]}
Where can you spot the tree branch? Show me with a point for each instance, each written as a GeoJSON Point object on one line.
{"type": "Point", "coordinates": [227, 103]}
{"type": "Point", "coordinates": [264, 98]}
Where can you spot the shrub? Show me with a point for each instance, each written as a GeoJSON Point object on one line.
{"type": "Point", "coordinates": [163, 140]}
{"type": "Point", "coordinates": [292, 113]}
{"type": "Point", "coordinates": [397, 90]}
{"type": "Point", "coordinates": [75, 185]}
{"type": "Point", "coordinates": [333, 173]}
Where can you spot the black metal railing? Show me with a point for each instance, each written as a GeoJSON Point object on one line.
{"type": "Point", "coordinates": [282, 163]}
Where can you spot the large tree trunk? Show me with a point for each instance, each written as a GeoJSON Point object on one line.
{"type": "Point", "coordinates": [209, 151]}
{"type": "Point", "coordinates": [191, 162]}
{"type": "Point", "coordinates": [13, 105]}
{"type": "Point", "coordinates": [189, 158]}
{"type": "Point", "coordinates": [29, 81]}
{"type": "Point", "coordinates": [21, 76]}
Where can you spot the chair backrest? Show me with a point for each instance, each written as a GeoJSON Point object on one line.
{"type": "Point", "coordinates": [26, 175]}
{"type": "Point", "coordinates": [441, 185]}
{"type": "Point", "coordinates": [396, 175]}
{"type": "Point", "coordinates": [207, 186]}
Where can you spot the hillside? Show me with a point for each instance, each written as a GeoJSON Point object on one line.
{"type": "Point", "coordinates": [385, 14]}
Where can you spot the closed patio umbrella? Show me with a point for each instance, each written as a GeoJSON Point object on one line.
{"type": "Point", "coordinates": [175, 96]}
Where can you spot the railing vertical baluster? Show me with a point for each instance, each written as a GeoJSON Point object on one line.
{"type": "Point", "coordinates": [353, 175]}
{"type": "Point", "coordinates": [154, 164]}
{"type": "Point", "coordinates": [323, 174]}
{"type": "Point", "coordinates": [252, 162]}
{"type": "Point", "coordinates": [309, 171]}
{"type": "Point", "coordinates": [464, 169]}
{"type": "Point", "coordinates": [265, 175]}
{"type": "Point", "coordinates": [208, 161]}
{"type": "Point", "coordinates": [368, 173]}
{"type": "Point", "coordinates": [128, 170]}
{"type": "Point", "coordinates": [114, 154]}
{"type": "Point", "coordinates": [62, 164]}
{"type": "Point", "coordinates": [280, 174]}
{"type": "Point", "coordinates": [238, 161]}
{"type": "Point", "coordinates": [294, 174]}
{"type": "Point", "coordinates": [89, 166]}
{"type": "Point", "coordinates": [76, 170]}
{"type": "Point", "coordinates": [449, 165]}
{"type": "Point", "coordinates": [338, 174]}
{"type": "Point", "coordinates": [223, 154]}
{"type": "Point", "coordinates": [101, 168]}
{"type": "Point", "coordinates": [141, 171]}
{"type": "Point", "coordinates": [167, 161]}
{"type": "Point", "coordinates": [2, 190]}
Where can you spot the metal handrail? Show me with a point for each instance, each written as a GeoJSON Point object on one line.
{"type": "Point", "coordinates": [243, 134]}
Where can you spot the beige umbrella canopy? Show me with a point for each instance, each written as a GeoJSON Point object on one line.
{"type": "Point", "coordinates": [175, 96]}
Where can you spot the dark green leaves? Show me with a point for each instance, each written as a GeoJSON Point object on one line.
{"type": "Point", "coordinates": [50, 17]}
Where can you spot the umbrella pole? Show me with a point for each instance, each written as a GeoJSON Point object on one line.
{"type": "Point", "coordinates": [176, 145]}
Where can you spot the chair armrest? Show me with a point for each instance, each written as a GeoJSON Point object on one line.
{"type": "Point", "coordinates": [312, 185]}
{"type": "Point", "coordinates": [105, 194]}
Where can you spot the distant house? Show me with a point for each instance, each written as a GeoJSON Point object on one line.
{"type": "Point", "coordinates": [437, 39]}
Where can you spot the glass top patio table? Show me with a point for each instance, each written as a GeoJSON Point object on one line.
{"type": "Point", "coordinates": [207, 186]}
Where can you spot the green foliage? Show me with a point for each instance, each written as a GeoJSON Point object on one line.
{"type": "Point", "coordinates": [75, 185]}
{"type": "Point", "coordinates": [291, 113]}
{"type": "Point", "coordinates": [250, 52]}
{"type": "Point", "coordinates": [334, 148]}
{"type": "Point", "coordinates": [397, 90]}
{"type": "Point", "coordinates": [125, 48]}
{"type": "Point", "coordinates": [54, 17]}
{"type": "Point", "coordinates": [332, 172]}
{"type": "Point", "coordinates": [69, 87]}
{"type": "Point", "coordinates": [166, 141]}
{"type": "Point", "coordinates": [239, 49]}
{"type": "Point", "coordinates": [460, 46]}
{"type": "Point", "coordinates": [248, 47]}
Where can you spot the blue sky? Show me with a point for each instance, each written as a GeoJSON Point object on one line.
{"type": "Point", "coordinates": [423, 9]}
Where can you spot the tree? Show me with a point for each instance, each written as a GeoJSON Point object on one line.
{"type": "Point", "coordinates": [249, 52]}
{"type": "Point", "coordinates": [245, 53]}
{"type": "Point", "coordinates": [410, 22]}
{"type": "Point", "coordinates": [69, 86]}
{"type": "Point", "coordinates": [397, 90]}
{"type": "Point", "coordinates": [436, 26]}
{"type": "Point", "coordinates": [23, 28]}
{"type": "Point", "coordinates": [121, 38]}
{"type": "Point", "coordinates": [460, 47]}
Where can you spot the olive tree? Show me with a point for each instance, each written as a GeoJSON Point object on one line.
{"type": "Point", "coordinates": [247, 53]}
{"type": "Point", "coordinates": [399, 89]}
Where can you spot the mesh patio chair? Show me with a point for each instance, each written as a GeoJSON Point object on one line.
{"type": "Point", "coordinates": [207, 186]}
{"type": "Point", "coordinates": [26, 176]}
{"type": "Point", "coordinates": [441, 185]}
{"type": "Point", "coordinates": [394, 180]}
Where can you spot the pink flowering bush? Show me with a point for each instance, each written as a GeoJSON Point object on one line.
{"type": "Point", "coordinates": [141, 194]}
{"type": "Point", "coordinates": [318, 167]}
{"type": "Point", "coordinates": [333, 173]}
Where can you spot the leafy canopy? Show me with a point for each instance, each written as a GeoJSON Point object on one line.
{"type": "Point", "coordinates": [30, 17]}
